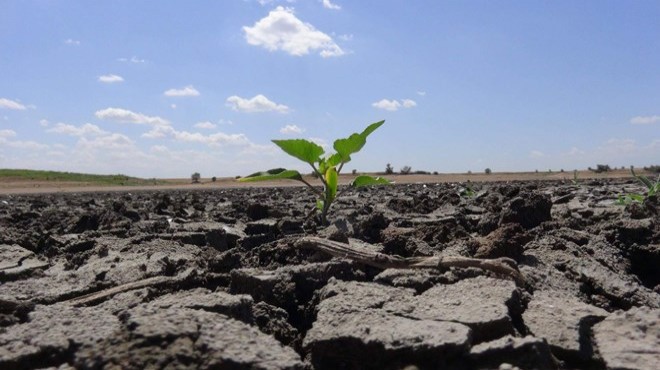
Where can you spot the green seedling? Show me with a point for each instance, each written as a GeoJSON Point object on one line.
{"type": "Point", "coordinates": [467, 191]}
{"type": "Point", "coordinates": [575, 177]}
{"type": "Point", "coordinates": [652, 188]}
{"type": "Point", "coordinates": [327, 168]}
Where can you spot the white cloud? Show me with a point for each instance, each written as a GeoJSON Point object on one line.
{"type": "Point", "coordinates": [282, 30]}
{"type": "Point", "coordinates": [85, 130]}
{"type": "Point", "coordinates": [72, 42]}
{"type": "Point", "coordinates": [18, 144]}
{"type": "Point", "coordinates": [644, 120]}
{"type": "Point", "coordinates": [11, 104]}
{"type": "Point", "coordinates": [390, 105]}
{"type": "Point", "coordinates": [127, 116]}
{"type": "Point", "coordinates": [219, 138]}
{"type": "Point", "coordinates": [133, 59]}
{"type": "Point", "coordinates": [108, 79]}
{"type": "Point", "coordinates": [421, 93]}
{"type": "Point", "coordinates": [258, 103]}
{"type": "Point", "coordinates": [394, 105]}
{"type": "Point", "coordinates": [328, 5]}
{"type": "Point", "coordinates": [575, 152]}
{"type": "Point", "coordinates": [186, 91]}
{"type": "Point", "coordinates": [44, 123]}
{"type": "Point", "coordinates": [409, 103]}
{"type": "Point", "coordinates": [291, 129]}
{"type": "Point", "coordinates": [173, 106]}
{"type": "Point", "coordinates": [319, 141]}
{"type": "Point", "coordinates": [108, 142]}
{"type": "Point", "coordinates": [158, 132]}
{"type": "Point", "coordinates": [620, 146]}
{"type": "Point", "coordinates": [7, 133]}
{"type": "Point", "coordinates": [346, 37]}
{"type": "Point", "coordinates": [206, 125]}
{"type": "Point", "coordinates": [536, 154]}
{"type": "Point", "coordinates": [216, 139]}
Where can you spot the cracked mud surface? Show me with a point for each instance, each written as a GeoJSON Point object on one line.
{"type": "Point", "coordinates": [215, 279]}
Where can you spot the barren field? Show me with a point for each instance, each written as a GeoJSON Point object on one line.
{"type": "Point", "coordinates": [419, 275]}
{"type": "Point", "coordinates": [22, 186]}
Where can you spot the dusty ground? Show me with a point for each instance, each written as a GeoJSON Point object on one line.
{"type": "Point", "coordinates": [216, 278]}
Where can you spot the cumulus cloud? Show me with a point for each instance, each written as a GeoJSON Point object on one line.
{"type": "Point", "coordinates": [291, 129]}
{"type": "Point", "coordinates": [328, 5]}
{"type": "Point", "coordinates": [218, 138]}
{"type": "Point", "coordinates": [536, 154]}
{"type": "Point", "coordinates": [7, 133]}
{"type": "Point", "coordinates": [644, 120]}
{"type": "Point", "coordinates": [394, 105]}
{"type": "Point", "coordinates": [133, 59]}
{"type": "Point", "coordinates": [85, 130]}
{"type": "Point", "coordinates": [408, 103]}
{"type": "Point", "coordinates": [215, 139]}
{"type": "Point", "coordinates": [574, 151]}
{"type": "Point", "coordinates": [127, 116]}
{"type": "Point", "coordinates": [11, 104]}
{"type": "Point", "coordinates": [282, 30]}
{"type": "Point", "coordinates": [206, 125]}
{"type": "Point", "coordinates": [109, 79]}
{"type": "Point", "coordinates": [72, 42]}
{"type": "Point", "coordinates": [258, 103]}
{"type": "Point", "coordinates": [186, 91]}
{"type": "Point", "coordinates": [113, 141]}
{"type": "Point", "coordinates": [385, 104]}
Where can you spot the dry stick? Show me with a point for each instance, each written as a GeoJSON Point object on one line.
{"type": "Point", "coordinates": [107, 293]}
{"type": "Point", "coordinates": [503, 266]}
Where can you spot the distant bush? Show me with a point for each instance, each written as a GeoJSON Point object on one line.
{"type": "Point", "coordinates": [435, 172]}
{"type": "Point", "coordinates": [469, 172]}
{"type": "Point", "coordinates": [214, 178]}
{"type": "Point", "coordinates": [654, 168]}
{"type": "Point", "coordinates": [389, 169]}
{"type": "Point", "coordinates": [422, 173]}
{"type": "Point", "coordinates": [405, 170]}
{"type": "Point", "coordinates": [488, 171]}
{"type": "Point", "coordinates": [601, 168]}
{"type": "Point", "coordinates": [195, 177]}
{"type": "Point", "coordinates": [354, 172]}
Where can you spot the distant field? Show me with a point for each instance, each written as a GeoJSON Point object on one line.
{"type": "Point", "coordinates": [31, 181]}
{"type": "Point", "coordinates": [17, 175]}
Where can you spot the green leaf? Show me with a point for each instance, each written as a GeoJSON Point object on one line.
{"type": "Point", "coordinates": [355, 142]}
{"type": "Point", "coordinates": [371, 128]}
{"type": "Point", "coordinates": [364, 180]}
{"type": "Point", "coordinates": [331, 179]}
{"type": "Point", "coordinates": [319, 204]}
{"type": "Point", "coordinates": [274, 174]}
{"type": "Point", "coordinates": [334, 160]}
{"type": "Point", "coordinates": [304, 150]}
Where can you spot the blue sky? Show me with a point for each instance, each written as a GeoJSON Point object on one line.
{"type": "Point", "coordinates": [167, 88]}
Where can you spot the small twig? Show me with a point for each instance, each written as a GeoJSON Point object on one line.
{"type": "Point", "coordinates": [107, 293]}
{"type": "Point", "coordinates": [503, 266]}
